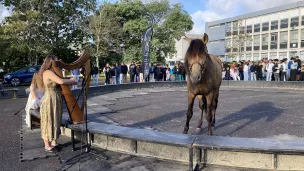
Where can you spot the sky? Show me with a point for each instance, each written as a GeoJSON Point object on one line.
{"type": "Point", "coordinates": [203, 11]}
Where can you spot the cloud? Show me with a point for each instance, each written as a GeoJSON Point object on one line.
{"type": "Point", "coordinates": [220, 9]}
{"type": "Point", "coordinates": [200, 17]}
{"type": "Point", "coordinates": [4, 12]}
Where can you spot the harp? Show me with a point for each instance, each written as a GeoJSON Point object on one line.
{"type": "Point", "coordinates": [75, 110]}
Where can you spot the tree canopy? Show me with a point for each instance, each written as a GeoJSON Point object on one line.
{"type": "Point", "coordinates": [37, 28]}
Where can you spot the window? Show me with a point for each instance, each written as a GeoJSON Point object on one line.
{"type": "Point", "coordinates": [235, 45]}
{"type": "Point", "coordinates": [242, 30]}
{"type": "Point", "coordinates": [257, 28]}
{"type": "Point", "coordinates": [283, 55]}
{"type": "Point", "coordinates": [283, 40]}
{"type": "Point", "coordinates": [249, 44]}
{"type": "Point", "coordinates": [31, 69]}
{"type": "Point", "coordinates": [274, 41]}
{"type": "Point", "coordinates": [235, 28]}
{"type": "Point", "coordinates": [294, 22]}
{"type": "Point", "coordinates": [249, 29]}
{"type": "Point", "coordinates": [294, 39]}
{"type": "Point", "coordinates": [228, 29]}
{"type": "Point", "coordinates": [284, 23]}
{"type": "Point", "coordinates": [273, 56]}
{"type": "Point", "coordinates": [265, 40]}
{"type": "Point", "coordinates": [228, 45]}
{"type": "Point", "coordinates": [256, 42]}
{"type": "Point", "coordinates": [303, 20]}
{"type": "Point", "coordinates": [256, 57]}
{"type": "Point", "coordinates": [302, 38]}
{"type": "Point", "coordinates": [274, 25]}
{"type": "Point", "coordinates": [265, 26]}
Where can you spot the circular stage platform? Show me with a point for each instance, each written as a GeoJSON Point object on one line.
{"type": "Point", "coordinates": [242, 112]}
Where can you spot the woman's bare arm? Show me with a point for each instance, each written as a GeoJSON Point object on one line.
{"type": "Point", "coordinates": [52, 76]}
{"type": "Point", "coordinates": [32, 90]}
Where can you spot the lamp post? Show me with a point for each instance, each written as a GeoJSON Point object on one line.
{"type": "Point", "coordinates": [146, 42]}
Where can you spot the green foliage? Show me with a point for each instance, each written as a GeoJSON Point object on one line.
{"type": "Point", "coordinates": [37, 28]}
{"type": "Point", "coordinates": [170, 23]}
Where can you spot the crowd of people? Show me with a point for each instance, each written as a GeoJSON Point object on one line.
{"type": "Point", "coordinates": [117, 74]}
{"type": "Point", "coordinates": [268, 70]}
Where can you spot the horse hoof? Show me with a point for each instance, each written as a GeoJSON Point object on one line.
{"type": "Point", "coordinates": [198, 130]}
{"type": "Point", "coordinates": [185, 132]}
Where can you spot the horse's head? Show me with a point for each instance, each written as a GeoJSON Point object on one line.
{"type": "Point", "coordinates": [195, 59]}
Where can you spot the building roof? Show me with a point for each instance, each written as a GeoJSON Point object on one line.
{"type": "Point", "coordinates": [258, 13]}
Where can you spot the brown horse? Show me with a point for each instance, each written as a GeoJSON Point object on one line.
{"type": "Point", "coordinates": [204, 73]}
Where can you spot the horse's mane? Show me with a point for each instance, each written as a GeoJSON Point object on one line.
{"type": "Point", "coordinates": [196, 48]}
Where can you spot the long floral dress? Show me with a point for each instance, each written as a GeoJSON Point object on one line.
{"type": "Point", "coordinates": [51, 112]}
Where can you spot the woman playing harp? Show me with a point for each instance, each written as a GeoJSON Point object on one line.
{"type": "Point", "coordinates": [51, 104]}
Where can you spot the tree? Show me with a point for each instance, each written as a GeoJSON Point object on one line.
{"type": "Point", "coordinates": [52, 26]}
{"type": "Point", "coordinates": [170, 23]}
{"type": "Point", "coordinates": [106, 31]}
{"type": "Point", "coordinates": [239, 37]}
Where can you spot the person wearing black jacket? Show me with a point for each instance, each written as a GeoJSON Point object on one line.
{"type": "Point", "coordinates": [132, 71]}
{"type": "Point", "coordinates": [159, 72]}
{"type": "Point", "coordinates": [124, 72]}
{"type": "Point", "coordinates": [259, 71]}
{"type": "Point", "coordinates": [183, 72]}
{"type": "Point", "coordinates": [113, 74]}
{"type": "Point", "coordinates": [95, 75]}
{"type": "Point", "coordinates": [253, 70]}
{"type": "Point", "coordinates": [106, 70]}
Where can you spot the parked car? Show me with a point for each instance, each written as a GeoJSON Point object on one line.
{"type": "Point", "coordinates": [23, 75]}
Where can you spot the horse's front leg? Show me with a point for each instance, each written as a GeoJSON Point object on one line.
{"type": "Point", "coordinates": [191, 98]}
{"type": "Point", "coordinates": [202, 103]}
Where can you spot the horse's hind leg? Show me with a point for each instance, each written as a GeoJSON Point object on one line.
{"type": "Point", "coordinates": [209, 111]}
{"type": "Point", "coordinates": [202, 104]}
{"type": "Point", "coordinates": [191, 98]}
{"type": "Point", "coordinates": [215, 101]}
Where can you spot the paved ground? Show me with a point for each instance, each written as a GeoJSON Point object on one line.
{"type": "Point", "coordinates": [241, 113]}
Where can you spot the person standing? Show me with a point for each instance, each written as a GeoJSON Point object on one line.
{"type": "Point", "coordinates": [106, 70]}
{"type": "Point", "coordinates": [51, 104]}
{"type": "Point", "coordinates": [253, 70]}
{"type": "Point", "coordinates": [124, 72]}
{"type": "Point", "coordinates": [269, 68]}
{"type": "Point", "coordinates": [141, 73]}
{"type": "Point", "coordinates": [76, 73]}
{"type": "Point", "coordinates": [113, 75]}
{"type": "Point", "coordinates": [302, 73]}
{"type": "Point", "coordinates": [276, 71]}
{"type": "Point", "coordinates": [151, 71]}
{"type": "Point", "coordinates": [284, 70]}
{"type": "Point", "coordinates": [289, 68]}
{"type": "Point", "coordinates": [118, 71]}
{"type": "Point", "coordinates": [246, 77]}
{"type": "Point", "coordinates": [95, 73]}
{"type": "Point", "coordinates": [293, 70]}
{"type": "Point", "coordinates": [132, 72]}
{"type": "Point", "coordinates": [298, 60]}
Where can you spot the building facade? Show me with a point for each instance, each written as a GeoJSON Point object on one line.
{"type": "Point", "coordinates": [274, 33]}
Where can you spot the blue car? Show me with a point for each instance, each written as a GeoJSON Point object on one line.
{"type": "Point", "coordinates": [23, 75]}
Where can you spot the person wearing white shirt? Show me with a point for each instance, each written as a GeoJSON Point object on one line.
{"type": "Point", "coordinates": [293, 70]}
{"type": "Point", "coordinates": [246, 76]}
{"type": "Point", "coordinates": [284, 70]}
{"type": "Point", "coordinates": [269, 67]}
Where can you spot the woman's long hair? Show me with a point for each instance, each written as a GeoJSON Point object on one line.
{"type": "Point", "coordinates": [47, 64]}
